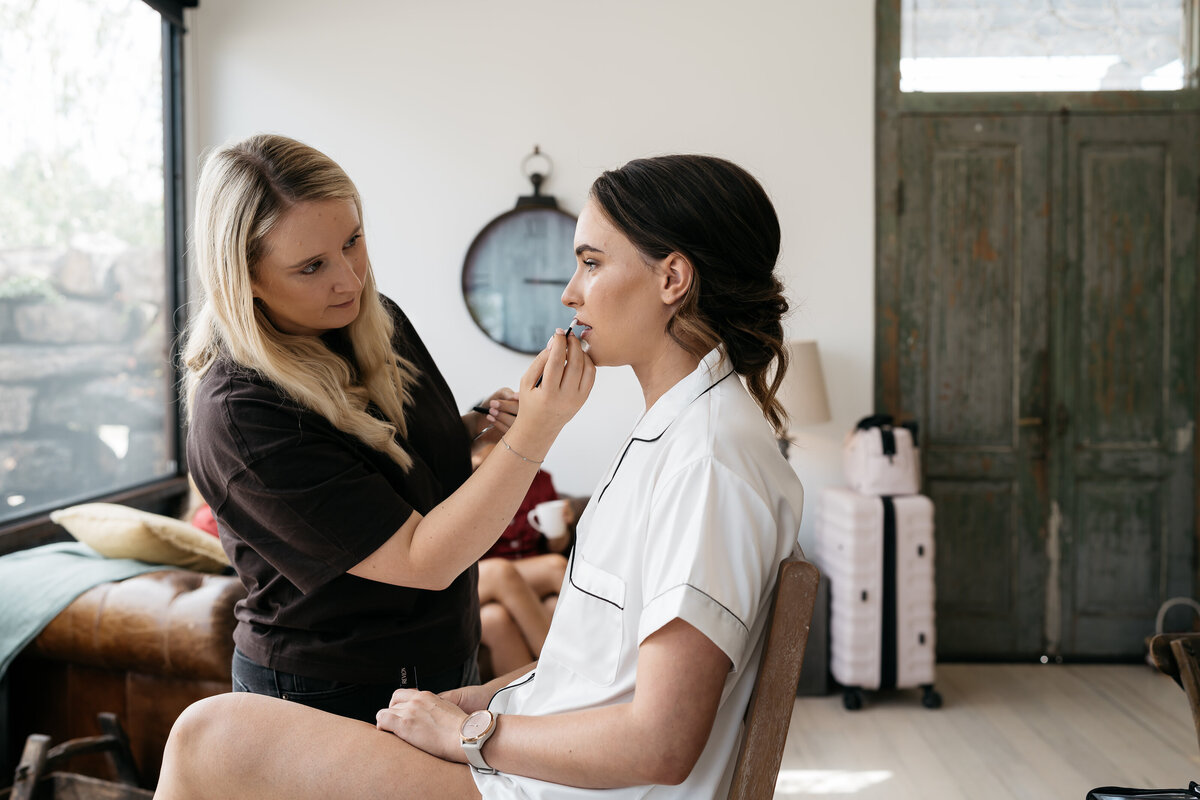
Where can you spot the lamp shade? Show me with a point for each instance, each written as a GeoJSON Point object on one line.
{"type": "Point", "coordinates": [802, 393]}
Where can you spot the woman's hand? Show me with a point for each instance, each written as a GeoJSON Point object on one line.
{"type": "Point", "coordinates": [469, 698]}
{"type": "Point", "coordinates": [501, 413]}
{"type": "Point", "coordinates": [553, 389]}
{"type": "Point", "coordinates": [426, 721]}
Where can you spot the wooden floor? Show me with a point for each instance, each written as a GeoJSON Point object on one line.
{"type": "Point", "coordinates": [1033, 731]}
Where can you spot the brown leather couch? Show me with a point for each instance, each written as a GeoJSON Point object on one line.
{"type": "Point", "coordinates": [143, 648]}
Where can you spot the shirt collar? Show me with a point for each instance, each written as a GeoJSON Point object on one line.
{"type": "Point", "coordinates": [713, 368]}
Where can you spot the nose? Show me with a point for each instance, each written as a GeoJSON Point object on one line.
{"type": "Point", "coordinates": [570, 295]}
{"type": "Point", "coordinates": [348, 277]}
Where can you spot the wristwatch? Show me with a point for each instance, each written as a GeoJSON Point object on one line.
{"type": "Point", "coordinates": [476, 729]}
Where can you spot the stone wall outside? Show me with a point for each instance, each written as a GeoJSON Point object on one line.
{"type": "Point", "coordinates": [84, 374]}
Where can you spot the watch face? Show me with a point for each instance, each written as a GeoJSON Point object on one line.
{"type": "Point", "coordinates": [514, 276]}
{"type": "Point", "coordinates": [476, 725]}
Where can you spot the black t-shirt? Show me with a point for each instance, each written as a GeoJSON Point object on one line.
{"type": "Point", "coordinates": [299, 502]}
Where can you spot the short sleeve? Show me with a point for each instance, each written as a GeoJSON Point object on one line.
{"type": "Point", "coordinates": [710, 550]}
{"type": "Point", "coordinates": [313, 509]}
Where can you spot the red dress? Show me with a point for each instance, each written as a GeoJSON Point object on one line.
{"type": "Point", "coordinates": [520, 539]}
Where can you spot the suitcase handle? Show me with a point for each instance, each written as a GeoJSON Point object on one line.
{"type": "Point", "coordinates": [874, 421]}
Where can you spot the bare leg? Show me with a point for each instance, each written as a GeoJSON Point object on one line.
{"type": "Point", "coordinates": [543, 573]}
{"type": "Point", "coordinates": [503, 639]}
{"type": "Point", "coordinates": [500, 582]}
{"type": "Point", "coordinates": [248, 746]}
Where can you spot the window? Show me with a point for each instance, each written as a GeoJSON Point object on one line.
{"type": "Point", "coordinates": [1042, 45]}
{"type": "Point", "coordinates": [88, 250]}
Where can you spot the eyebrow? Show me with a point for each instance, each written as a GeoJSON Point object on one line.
{"type": "Point", "coordinates": [587, 248]}
{"type": "Point", "coordinates": [304, 262]}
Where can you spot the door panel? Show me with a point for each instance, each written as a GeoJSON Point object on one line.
{"type": "Point", "coordinates": [1127, 382]}
{"type": "Point", "coordinates": [973, 369]}
{"type": "Point", "coordinates": [973, 270]}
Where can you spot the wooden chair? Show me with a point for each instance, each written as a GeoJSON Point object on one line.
{"type": "Point", "coordinates": [1178, 655]}
{"type": "Point", "coordinates": [770, 709]}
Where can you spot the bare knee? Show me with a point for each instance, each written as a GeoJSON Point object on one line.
{"type": "Point", "coordinates": [497, 579]}
{"type": "Point", "coordinates": [505, 574]}
{"type": "Point", "coordinates": [195, 736]}
{"type": "Point", "coordinates": [497, 623]}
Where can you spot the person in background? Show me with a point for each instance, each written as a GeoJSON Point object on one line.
{"type": "Point", "coordinates": [519, 579]}
{"type": "Point", "coordinates": [328, 446]}
{"type": "Point", "coordinates": [645, 677]}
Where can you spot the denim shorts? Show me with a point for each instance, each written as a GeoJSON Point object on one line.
{"type": "Point", "coordinates": [354, 700]}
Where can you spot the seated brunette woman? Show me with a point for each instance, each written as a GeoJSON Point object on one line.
{"type": "Point", "coordinates": [650, 660]}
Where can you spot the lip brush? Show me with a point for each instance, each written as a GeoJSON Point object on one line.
{"type": "Point", "coordinates": [539, 380]}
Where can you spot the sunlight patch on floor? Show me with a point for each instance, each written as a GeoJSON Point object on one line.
{"type": "Point", "coordinates": [804, 782]}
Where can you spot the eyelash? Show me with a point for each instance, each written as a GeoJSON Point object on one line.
{"type": "Point", "coordinates": [316, 265]}
{"type": "Point", "coordinates": [590, 263]}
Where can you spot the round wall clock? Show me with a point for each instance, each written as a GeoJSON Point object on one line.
{"type": "Point", "coordinates": [517, 267]}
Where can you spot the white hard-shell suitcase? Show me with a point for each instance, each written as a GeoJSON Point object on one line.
{"type": "Point", "coordinates": [878, 554]}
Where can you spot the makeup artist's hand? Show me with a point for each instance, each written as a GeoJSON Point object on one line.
{"type": "Point", "coordinates": [567, 375]}
{"type": "Point", "coordinates": [501, 412]}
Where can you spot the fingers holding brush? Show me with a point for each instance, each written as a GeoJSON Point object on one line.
{"type": "Point", "coordinates": [558, 381]}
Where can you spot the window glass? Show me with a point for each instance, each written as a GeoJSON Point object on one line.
{"type": "Point", "coordinates": [84, 344]}
{"type": "Point", "coordinates": [1041, 45]}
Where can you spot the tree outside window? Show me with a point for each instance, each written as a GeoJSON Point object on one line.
{"type": "Point", "coordinates": [85, 400]}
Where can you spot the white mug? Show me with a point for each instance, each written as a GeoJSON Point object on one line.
{"type": "Point", "coordinates": [549, 518]}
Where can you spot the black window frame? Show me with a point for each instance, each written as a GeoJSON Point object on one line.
{"type": "Point", "coordinates": [164, 495]}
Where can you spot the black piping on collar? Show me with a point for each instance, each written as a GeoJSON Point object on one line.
{"type": "Point", "coordinates": [656, 438]}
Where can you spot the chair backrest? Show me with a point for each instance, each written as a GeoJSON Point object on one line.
{"type": "Point", "coordinates": [770, 709]}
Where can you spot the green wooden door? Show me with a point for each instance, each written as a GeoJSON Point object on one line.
{"type": "Point", "coordinates": [974, 237]}
{"type": "Point", "coordinates": [1125, 389]}
{"type": "Point", "coordinates": [1028, 351]}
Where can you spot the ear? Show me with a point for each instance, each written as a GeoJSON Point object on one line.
{"type": "Point", "coordinates": [675, 278]}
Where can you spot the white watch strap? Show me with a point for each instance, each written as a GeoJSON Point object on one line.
{"type": "Point", "coordinates": [473, 749]}
{"type": "Point", "coordinates": [474, 753]}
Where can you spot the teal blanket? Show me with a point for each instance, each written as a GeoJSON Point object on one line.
{"type": "Point", "coordinates": [36, 584]}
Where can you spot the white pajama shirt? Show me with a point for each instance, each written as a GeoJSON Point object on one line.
{"type": "Point", "coordinates": [690, 521]}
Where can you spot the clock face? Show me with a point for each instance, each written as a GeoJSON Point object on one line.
{"type": "Point", "coordinates": [515, 273]}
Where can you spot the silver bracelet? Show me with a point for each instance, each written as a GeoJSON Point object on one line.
{"type": "Point", "coordinates": [515, 453]}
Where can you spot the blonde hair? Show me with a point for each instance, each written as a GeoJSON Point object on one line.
{"type": "Point", "coordinates": [243, 192]}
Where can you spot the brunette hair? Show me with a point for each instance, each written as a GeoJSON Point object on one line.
{"type": "Point", "coordinates": [718, 216]}
{"type": "Point", "coordinates": [244, 190]}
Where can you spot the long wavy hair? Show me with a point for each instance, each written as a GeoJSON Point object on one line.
{"type": "Point", "coordinates": [719, 217]}
{"type": "Point", "coordinates": [243, 192]}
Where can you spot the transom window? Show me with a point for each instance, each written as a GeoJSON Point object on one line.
{"type": "Point", "coordinates": [1042, 45]}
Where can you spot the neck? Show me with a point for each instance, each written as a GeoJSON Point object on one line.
{"type": "Point", "coordinates": [663, 370]}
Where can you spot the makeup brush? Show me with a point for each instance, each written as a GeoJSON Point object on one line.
{"type": "Point", "coordinates": [568, 333]}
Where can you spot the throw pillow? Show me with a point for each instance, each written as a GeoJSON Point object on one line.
{"type": "Point", "coordinates": [205, 521]}
{"type": "Point", "coordinates": [117, 531]}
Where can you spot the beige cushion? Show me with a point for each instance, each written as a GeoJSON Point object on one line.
{"type": "Point", "coordinates": [117, 531]}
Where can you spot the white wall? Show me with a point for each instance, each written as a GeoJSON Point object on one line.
{"type": "Point", "coordinates": [431, 106]}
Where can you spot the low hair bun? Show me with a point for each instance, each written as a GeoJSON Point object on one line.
{"type": "Point", "coordinates": [720, 218]}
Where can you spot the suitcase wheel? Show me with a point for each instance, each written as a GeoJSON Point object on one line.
{"type": "Point", "coordinates": [852, 698]}
{"type": "Point", "coordinates": [931, 699]}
